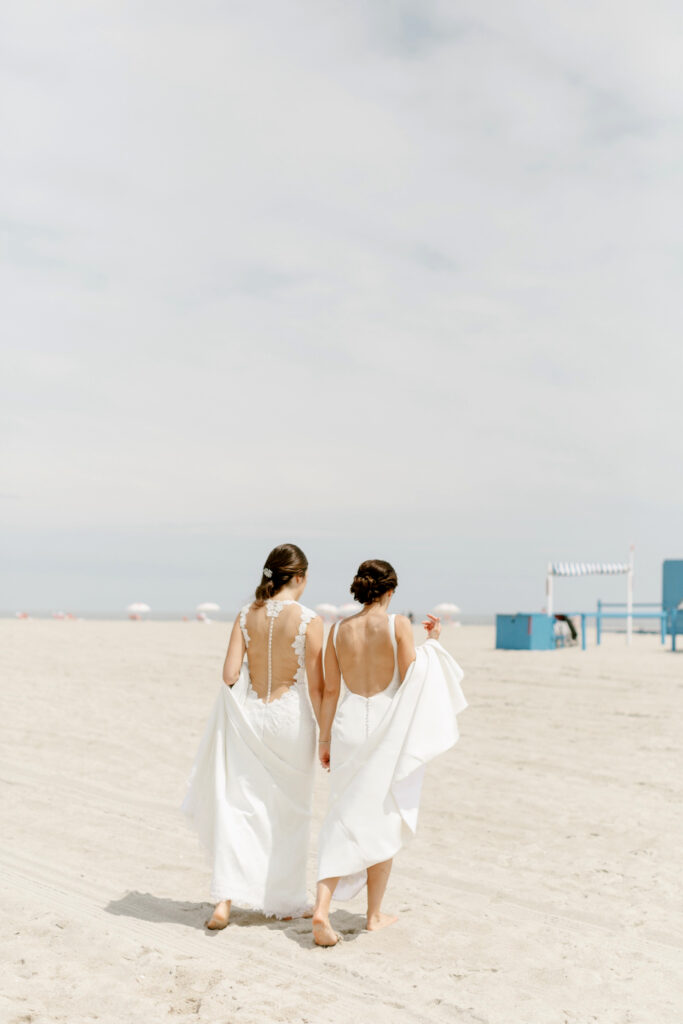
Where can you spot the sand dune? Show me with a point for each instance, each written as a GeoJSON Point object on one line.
{"type": "Point", "coordinates": [543, 887]}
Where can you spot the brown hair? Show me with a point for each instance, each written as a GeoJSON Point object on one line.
{"type": "Point", "coordinates": [283, 563]}
{"type": "Point", "coordinates": [373, 579]}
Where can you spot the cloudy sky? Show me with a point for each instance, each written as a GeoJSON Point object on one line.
{"type": "Point", "coordinates": [397, 279]}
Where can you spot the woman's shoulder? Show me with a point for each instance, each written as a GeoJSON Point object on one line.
{"type": "Point", "coordinates": [402, 625]}
{"type": "Point", "coordinates": [307, 614]}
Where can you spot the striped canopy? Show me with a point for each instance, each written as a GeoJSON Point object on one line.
{"type": "Point", "coordinates": [588, 568]}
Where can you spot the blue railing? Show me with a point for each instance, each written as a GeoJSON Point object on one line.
{"type": "Point", "coordinates": [668, 620]}
{"type": "Point", "coordinates": [660, 615]}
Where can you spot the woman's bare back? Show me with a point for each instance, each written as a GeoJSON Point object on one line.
{"type": "Point", "coordinates": [365, 652]}
{"type": "Point", "coordinates": [284, 659]}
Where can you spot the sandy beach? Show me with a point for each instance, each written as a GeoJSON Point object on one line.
{"type": "Point", "coordinates": [544, 885]}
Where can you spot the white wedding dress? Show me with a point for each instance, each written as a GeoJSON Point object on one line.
{"type": "Point", "coordinates": [379, 748]}
{"type": "Point", "coordinates": [250, 789]}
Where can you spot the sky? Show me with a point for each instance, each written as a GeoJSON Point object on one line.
{"type": "Point", "coordinates": [395, 280]}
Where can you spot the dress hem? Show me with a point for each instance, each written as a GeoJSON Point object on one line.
{"type": "Point", "coordinates": [280, 914]}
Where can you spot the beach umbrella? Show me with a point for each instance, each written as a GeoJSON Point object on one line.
{"type": "Point", "coordinates": [137, 610]}
{"type": "Point", "coordinates": [208, 606]}
{"type": "Point", "coordinates": [349, 609]}
{"type": "Point", "coordinates": [446, 611]}
{"type": "Point", "coordinates": [329, 612]}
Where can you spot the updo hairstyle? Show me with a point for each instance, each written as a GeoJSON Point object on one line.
{"type": "Point", "coordinates": [373, 579]}
{"type": "Point", "coordinates": [284, 563]}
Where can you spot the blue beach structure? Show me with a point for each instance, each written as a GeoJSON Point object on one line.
{"type": "Point", "coordinates": [672, 597]}
{"type": "Point", "coordinates": [525, 631]}
{"type": "Point", "coordinates": [535, 631]}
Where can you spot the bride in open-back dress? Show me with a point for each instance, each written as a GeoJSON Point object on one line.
{"type": "Point", "coordinates": [250, 790]}
{"type": "Point", "coordinates": [386, 711]}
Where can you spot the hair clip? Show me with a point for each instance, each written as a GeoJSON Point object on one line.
{"type": "Point", "coordinates": [268, 572]}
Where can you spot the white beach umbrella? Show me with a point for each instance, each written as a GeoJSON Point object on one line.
{"type": "Point", "coordinates": [349, 609]}
{"type": "Point", "coordinates": [138, 608]}
{"type": "Point", "coordinates": [208, 606]}
{"type": "Point", "coordinates": [329, 612]}
{"type": "Point", "coordinates": [445, 610]}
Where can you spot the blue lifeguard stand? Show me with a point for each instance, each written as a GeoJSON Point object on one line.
{"type": "Point", "coordinates": [672, 596]}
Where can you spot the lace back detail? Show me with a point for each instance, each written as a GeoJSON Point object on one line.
{"type": "Point", "coordinates": [299, 643]}
{"type": "Point", "coordinates": [243, 624]}
{"type": "Point", "coordinates": [273, 608]}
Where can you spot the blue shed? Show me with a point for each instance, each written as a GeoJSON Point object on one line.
{"type": "Point", "coordinates": [531, 631]}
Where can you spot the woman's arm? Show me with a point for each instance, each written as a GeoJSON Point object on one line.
{"type": "Point", "coordinates": [314, 663]}
{"type": "Point", "coordinates": [232, 665]}
{"type": "Point", "coordinates": [405, 642]}
{"type": "Point", "coordinates": [328, 704]}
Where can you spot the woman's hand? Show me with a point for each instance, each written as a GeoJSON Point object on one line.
{"type": "Point", "coordinates": [432, 625]}
{"type": "Point", "coordinates": [324, 753]}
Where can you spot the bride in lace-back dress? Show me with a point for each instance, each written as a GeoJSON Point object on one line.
{"type": "Point", "coordinates": [250, 790]}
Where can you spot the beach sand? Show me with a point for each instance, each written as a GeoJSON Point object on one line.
{"type": "Point", "coordinates": [543, 887]}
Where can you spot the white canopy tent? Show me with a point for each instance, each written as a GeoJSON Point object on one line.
{"type": "Point", "coordinates": [594, 569]}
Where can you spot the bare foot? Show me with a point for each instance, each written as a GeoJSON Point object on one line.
{"type": "Point", "coordinates": [378, 921]}
{"type": "Point", "coordinates": [323, 932]}
{"type": "Point", "coordinates": [220, 917]}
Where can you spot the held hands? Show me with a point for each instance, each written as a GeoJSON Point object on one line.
{"type": "Point", "coordinates": [432, 625]}
{"type": "Point", "coordinates": [324, 753]}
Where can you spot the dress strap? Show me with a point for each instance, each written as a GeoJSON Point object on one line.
{"type": "Point", "coordinates": [335, 630]}
{"type": "Point", "coordinates": [307, 615]}
{"type": "Point", "coordinates": [392, 634]}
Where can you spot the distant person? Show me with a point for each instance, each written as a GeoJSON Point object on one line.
{"type": "Point", "coordinates": [386, 711]}
{"type": "Point", "coordinates": [251, 785]}
{"type": "Point", "coordinates": [570, 626]}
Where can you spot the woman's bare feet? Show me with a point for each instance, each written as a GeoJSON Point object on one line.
{"type": "Point", "coordinates": [377, 921]}
{"type": "Point", "coordinates": [220, 917]}
{"type": "Point", "coordinates": [323, 932]}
